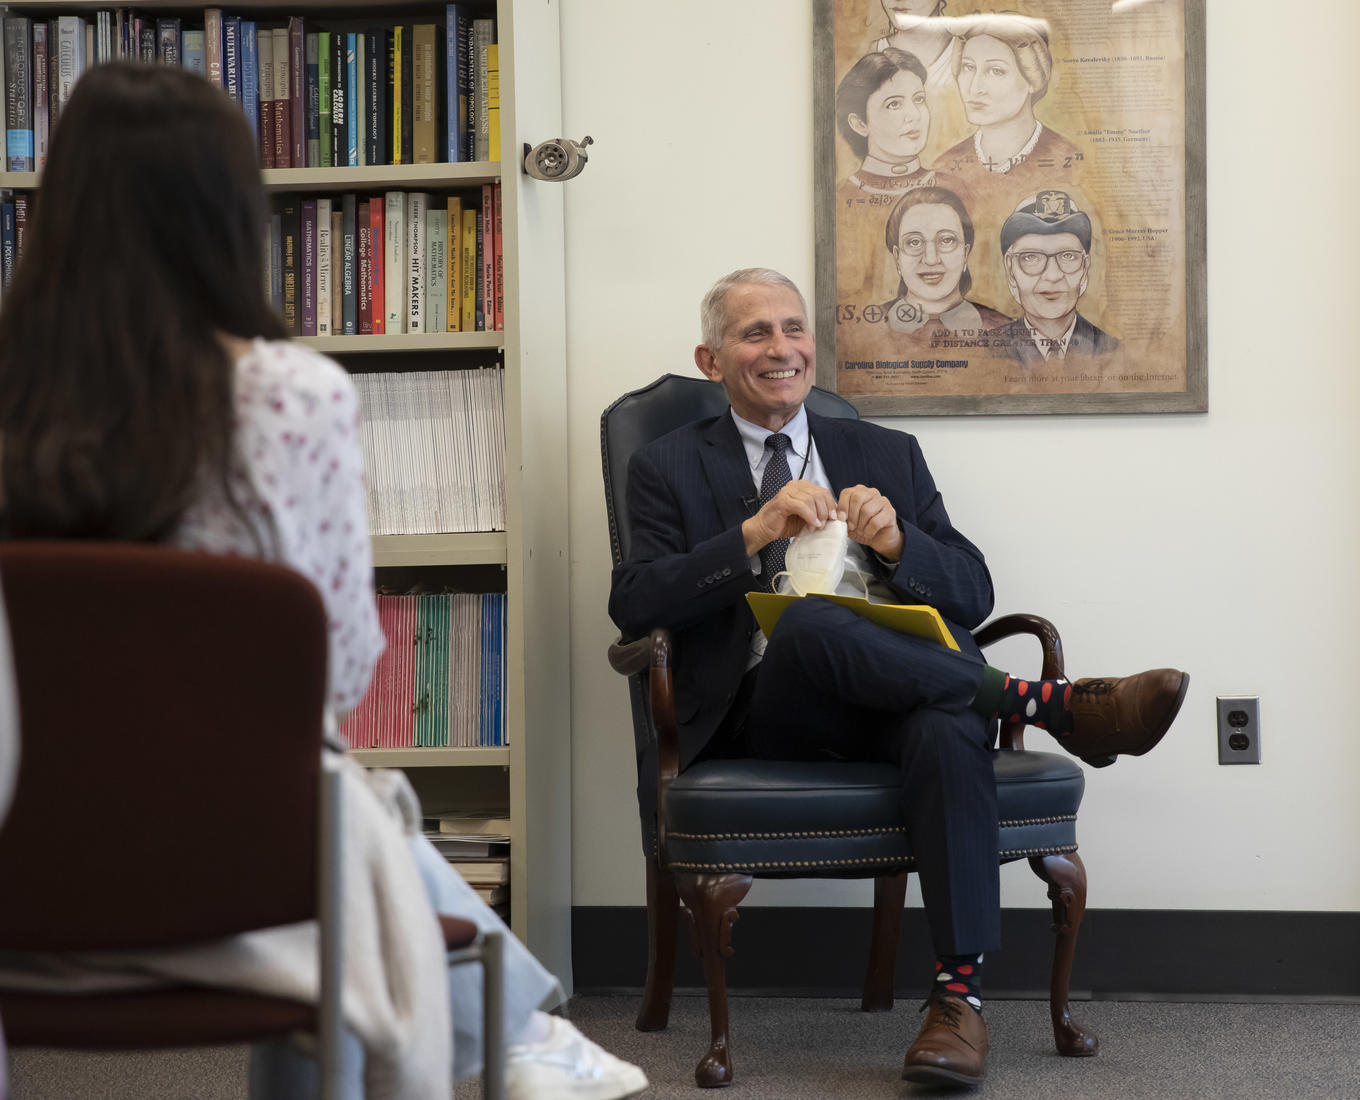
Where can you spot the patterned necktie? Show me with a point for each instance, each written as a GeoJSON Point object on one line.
{"type": "Point", "coordinates": [776, 477]}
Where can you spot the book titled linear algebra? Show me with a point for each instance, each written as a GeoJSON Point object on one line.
{"type": "Point", "coordinates": [919, 619]}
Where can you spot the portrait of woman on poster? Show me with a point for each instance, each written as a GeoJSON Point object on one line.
{"type": "Point", "coordinates": [1002, 64]}
{"type": "Point", "coordinates": [882, 114]}
{"type": "Point", "coordinates": [930, 236]}
{"type": "Point", "coordinates": [918, 27]}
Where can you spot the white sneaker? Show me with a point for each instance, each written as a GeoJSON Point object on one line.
{"type": "Point", "coordinates": [568, 1066]}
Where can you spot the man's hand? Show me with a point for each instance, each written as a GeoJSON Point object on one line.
{"type": "Point", "coordinates": [797, 506]}
{"type": "Point", "coordinates": [871, 520]}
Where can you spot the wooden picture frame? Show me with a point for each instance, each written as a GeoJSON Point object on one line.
{"type": "Point", "coordinates": [1082, 289]}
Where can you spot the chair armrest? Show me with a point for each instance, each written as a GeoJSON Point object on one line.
{"type": "Point", "coordinates": [1008, 626]}
{"type": "Point", "coordinates": [654, 654]}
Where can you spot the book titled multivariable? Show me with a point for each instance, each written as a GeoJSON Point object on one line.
{"type": "Point", "coordinates": [349, 247]}
{"type": "Point", "coordinates": [417, 205]}
{"type": "Point", "coordinates": [394, 210]}
{"type": "Point", "coordinates": [323, 267]}
{"type": "Point", "coordinates": [264, 49]}
{"type": "Point", "coordinates": [424, 147]}
{"type": "Point", "coordinates": [308, 276]}
{"type": "Point", "coordinates": [231, 56]}
{"type": "Point", "coordinates": [18, 93]}
{"type": "Point", "coordinates": [364, 242]}
{"type": "Point", "coordinates": [377, 219]}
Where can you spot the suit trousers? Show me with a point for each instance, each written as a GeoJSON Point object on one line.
{"type": "Point", "coordinates": [833, 684]}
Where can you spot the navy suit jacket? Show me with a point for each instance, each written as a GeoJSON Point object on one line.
{"type": "Point", "coordinates": [687, 568]}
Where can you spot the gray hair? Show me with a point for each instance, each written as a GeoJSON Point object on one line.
{"type": "Point", "coordinates": [713, 309]}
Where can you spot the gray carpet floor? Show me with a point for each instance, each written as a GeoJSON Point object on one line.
{"type": "Point", "coordinates": [787, 1048]}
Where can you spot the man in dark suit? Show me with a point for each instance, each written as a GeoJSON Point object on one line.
{"type": "Point", "coordinates": [1046, 244]}
{"type": "Point", "coordinates": [711, 505]}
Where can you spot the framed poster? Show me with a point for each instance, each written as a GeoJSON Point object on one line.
{"type": "Point", "coordinates": [1010, 205]}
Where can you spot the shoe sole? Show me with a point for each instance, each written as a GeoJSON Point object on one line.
{"type": "Point", "coordinates": [1157, 735]}
{"type": "Point", "coordinates": [935, 1075]}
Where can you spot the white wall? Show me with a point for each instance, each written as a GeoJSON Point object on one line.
{"type": "Point", "coordinates": [1224, 544]}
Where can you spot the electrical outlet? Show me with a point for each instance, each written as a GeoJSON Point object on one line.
{"type": "Point", "coordinates": [1239, 729]}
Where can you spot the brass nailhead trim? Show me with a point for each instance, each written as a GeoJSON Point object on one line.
{"type": "Point", "coordinates": [879, 860]}
{"type": "Point", "coordinates": [1039, 821]}
{"type": "Point", "coordinates": [790, 836]}
{"type": "Point", "coordinates": [1056, 850]}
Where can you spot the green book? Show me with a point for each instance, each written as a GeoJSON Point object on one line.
{"type": "Point", "coordinates": [323, 82]}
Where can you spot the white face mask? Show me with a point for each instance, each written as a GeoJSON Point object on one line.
{"type": "Point", "coordinates": [815, 560]}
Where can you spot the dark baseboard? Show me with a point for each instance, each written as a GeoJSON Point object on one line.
{"type": "Point", "coordinates": [1121, 953]}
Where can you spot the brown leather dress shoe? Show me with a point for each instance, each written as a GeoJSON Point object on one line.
{"type": "Point", "coordinates": [1125, 716]}
{"type": "Point", "coordinates": [951, 1048]}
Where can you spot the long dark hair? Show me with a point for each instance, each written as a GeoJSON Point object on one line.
{"type": "Point", "coordinates": [116, 396]}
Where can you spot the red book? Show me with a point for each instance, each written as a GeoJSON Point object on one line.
{"type": "Point", "coordinates": [379, 295]}
{"type": "Point", "coordinates": [488, 260]}
{"type": "Point", "coordinates": [364, 269]}
{"type": "Point", "coordinates": [498, 293]}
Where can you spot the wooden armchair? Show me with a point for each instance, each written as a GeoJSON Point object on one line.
{"type": "Point", "coordinates": [721, 823]}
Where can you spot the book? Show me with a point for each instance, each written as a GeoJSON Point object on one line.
{"type": "Point", "coordinates": [456, 27]}
{"type": "Point", "coordinates": [453, 315]}
{"type": "Point", "coordinates": [312, 51]}
{"type": "Point", "coordinates": [283, 116]}
{"type": "Point", "coordinates": [394, 263]}
{"type": "Point", "coordinates": [490, 871]}
{"type": "Point", "coordinates": [42, 83]}
{"type": "Point", "coordinates": [337, 269]}
{"type": "Point", "coordinates": [353, 100]}
{"type": "Point", "coordinates": [18, 93]}
{"type": "Point", "coordinates": [290, 211]}
{"type": "Point", "coordinates": [167, 40]}
{"type": "Point", "coordinates": [195, 58]}
{"type": "Point", "coordinates": [349, 290]}
{"type": "Point", "coordinates": [493, 102]}
{"type": "Point", "coordinates": [360, 97]}
{"type": "Point", "coordinates": [475, 823]}
{"type": "Point", "coordinates": [323, 96]}
{"type": "Point", "coordinates": [919, 619]}
{"type": "Point", "coordinates": [231, 56]}
{"type": "Point", "coordinates": [276, 260]}
{"type": "Point", "coordinates": [250, 75]}
{"type": "Point", "coordinates": [339, 102]}
{"type": "Point", "coordinates": [378, 259]}
{"type": "Point", "coordinates": [307, 275]}
{"type": "Point", "coordinates": [8, 239]}
{"type": "Point", "coordinates": [297, 93]}
{"type": "Point", "coordinates": [436, 268]}
{"type": "Point", "coordinates": [498, 259]}
{"type": "Point", "coordinates": [375, 97]}
{"type": "Point", "coordinates": [468, 262]}
{"type": "Point", "coordinates": [394, 90]}
{"type": "Point", "coordinates": [493, 895]}
{"type": "Point", "coordinates": [264, 60]}
{"type": "Point", "coordinates": [323, 267]}
{"type": "Point", "coordinates": [483, 35]}
{"type": "Point", "coordinates": [407, 94]}
{"type": "Point", "coordinates": [212, 44]}
{"type": "Point", "coordinates": [423, 87]}
{"type": "Point", "coordinates": [455, 848]}
{"type": "Point", "coordinates": [364, 273]}
{"type": "Point", "coordinates": [417, 204]}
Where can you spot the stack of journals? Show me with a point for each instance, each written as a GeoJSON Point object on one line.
{"type": "Point", "coordinates": [441, 680]}
{"type": "Point", "coordinates": [477, 845]}
{"type": "Point", "coordinates": [434, 450]}
{"type": "Point", "coordinates": [400, 262]}
{"type": "Point", "coordinates": [318, 93]}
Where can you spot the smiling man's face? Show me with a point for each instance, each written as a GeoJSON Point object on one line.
{"type": "Point", "coordinates": [767, 357]}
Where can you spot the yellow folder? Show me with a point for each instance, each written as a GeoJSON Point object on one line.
{"type": "Point", "coordinates": [919, 619]}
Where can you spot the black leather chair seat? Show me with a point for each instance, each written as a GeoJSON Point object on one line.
{"type": "Point", "coordinates": [794, 818]}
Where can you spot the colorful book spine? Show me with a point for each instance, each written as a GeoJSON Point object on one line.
{"type": "Point", "coordinates": [195, 59]}
{"type": "Point", "coordinates": [291, 213]}
{"type": "Point", "coordinates": [18, 49]}
{"type": "Point", "coordinates": [487, 255]}
{"type": "Point", "coordinates": [498, 259]}
{"type": "Point", "coordinates": [9, 242]}
{"type": "Point", "coordinates": [339, 102]}
{"type": "Point", "coordinates": [349, 243]}
{"type": "Point", "coordinates": [323, 95]}
{"type": "Point", "coordinates": [264, 51]}
{"type": "Point", "coordinates": [378, 224]}
{"type": "Point", "coordinates": [468, 260]}
{"type": "Point", "coordinates": [231, 56]}
{"type": "Point", "coordinates": [453, 317]}
{"type": "Point", "coordinates": [351, 107]}
{"type": "Point", "coordinates": [283, 137]}
{"type": "Point", "coordinates": [212, 44]}
{"type": "Point", "coordinates": [364, 259]}
{"type": "Point", "coordinates": [417, 205]}
{"type": "Point", "coordinates": [323, 267]}
{"type": "Point", "coordinates": [493, 102]}
{"type": "Point", "coordinates": [436, 268]}
{"type": "Point", "coordinates": [250, 75]}
{"type": "Point", "coordinates": [297, 94]}
{"type": "Point", "coordinates": [394, 214]}
{"type": "Point", "coordinates": [398, 76]}
{"type": "Point", "coordinates": [423, 90]}
{"type": "Point", "coordinates": [41, 98]}
{"type": "Point", "coordinates": [313, 65]}
{"type": "Point", "coordinates": [374, 87]}
{"type": "Point", "coordinates": [308, 275]}
{"type": "Point", "coordinates": [455, 82]}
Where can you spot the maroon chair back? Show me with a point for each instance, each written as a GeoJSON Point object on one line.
{"type": "Point", "coordinates": [171, 707]}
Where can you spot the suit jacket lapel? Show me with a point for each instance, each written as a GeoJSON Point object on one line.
{"type": "Point", "coordinates": [840, 451]}
{"type": "Point", "coordinates": [728, 471]}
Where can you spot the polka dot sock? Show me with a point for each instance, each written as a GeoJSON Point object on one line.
{"type": "Point", "coordinates": [1041, 703]}
{"type": "Point", "coordinates": [959, 976]}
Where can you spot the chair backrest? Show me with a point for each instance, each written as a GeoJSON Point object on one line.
{"type": "Point", "coordinates": [171, 709]}
{"type": "Point", "coordinates": [670, 402]}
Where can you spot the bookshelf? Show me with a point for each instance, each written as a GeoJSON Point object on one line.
{"type": "Point", "coordinates": [533, 771]}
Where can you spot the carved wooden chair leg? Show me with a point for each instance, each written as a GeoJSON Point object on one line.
{"type": "Point", "coordinates": [663, 911]}
{"type": "Point", "coordinates": [712, 900]}
{"type": "Point", "coordinates": [1066, 878]}
{"type": "Point", "coordinates": [890, 894]}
